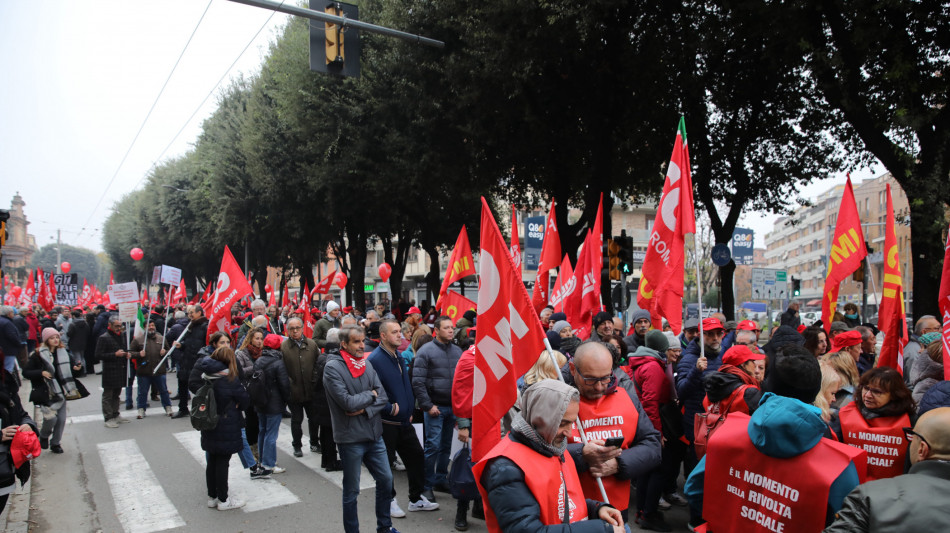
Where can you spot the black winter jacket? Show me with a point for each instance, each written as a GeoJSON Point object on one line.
{"type": "Point", "coordinates": [689, 383]}
{"type": "Point", "coordinates": [193, 342]}
{"type": "Point", "coordinates": [78, 332]}
{"type": "Point", "coordinates": [12, 414]}
{"type": "Point", "coordinates": [231, 399]}
{"type": "Point", "coordinates": [114, 369]}
{"type": "Point", "coordinates": [278, 384]}
{"type": "Point", "coordinates": [394, 376]}
{"type": "Point", "coordinates": [319, 393]}
{"type": "Point", "coordinates": [433, 370]}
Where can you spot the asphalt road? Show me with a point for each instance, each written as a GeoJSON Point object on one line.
{"type": "Point", "coordinates": [148, 475]}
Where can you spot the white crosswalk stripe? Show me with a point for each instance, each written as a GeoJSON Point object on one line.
{"type": "Point", "coordinates": [141, 504]}
{"type": "Point", "coordinates": [259, 493]}
{"type": "Point", "coordinates": [311, 460]}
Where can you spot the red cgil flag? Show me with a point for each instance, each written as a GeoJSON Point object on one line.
{"type": "Point", "coordinates": [456, 305]}
{"type": "Point", "coordinates": [29, 291]}
{"type": "Point", "coordinates": [508, 341]}
{"type": "Point", "coordinates": [42, 289]}
{"type": "Point", "coordinates": [563, 286]}
{"type": "Point", "coordinates": [308, 321]}
{"type": "Point", "coordinates": [584, 300]}
{"type": "Point", "coordinates": [286, 299]}
{"type": "Point", "coordinates": [231, 287]}
{"type": "Point", "coordinates": [85, 295]}
{"type": "Point", "coordinates": [272, 297]}
{"type": "Point", "coordinates": [206, 295]}
{"type": "Point", "coordinates": [944, 304]}
{"type": "Point", "coordinates": [515, 240]}
{"type": "Point", "coordinates": [324, 285]}
{"type": "Point", "coordinates": [550, 255]}
{"type": "Point", "coordinates": [891, 316]}
{"type": "Point", "coordinates": [179, 294]}
{"type": "Point", "coordinates": [111, 278]}
{"type": "Point", "coordinates": [461, 264]}
{"type": "Point", "coordinates": [661, 282]}
{"type": "Point", "coordinates": [592, 296]}
{"type": "Point", "coordinates": [847, 252]}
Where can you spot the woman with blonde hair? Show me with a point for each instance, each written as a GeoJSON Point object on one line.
{"type": "Point", "coordinates": [843, 363]}
{"type": "Point", "coordinates": [543, 368]}
{"type": "Point", "coordinates": [830, 382]}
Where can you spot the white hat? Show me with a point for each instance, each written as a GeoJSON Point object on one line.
{"type": "Point", "coordinates": [673, 340]}
{"type": "Point", "coordinates": [332, 306]}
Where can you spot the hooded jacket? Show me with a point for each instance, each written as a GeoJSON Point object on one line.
{"type": "Point", "coordinates": [936, 396]}
{"type": "Point", "coordinates": [271, 362]}
{"type": "Point", "coordinates": [925, 374]}
{"type": "Point", "coordinates": [647, 368]}
{"type": "Point", "coordinates": [515, 507]}
{"type": "Point", "coordinates": [231, 399]}
{"type": "Point", "coordinates": [781, 428]}
{"type": "Point", "coordinates": [723, 384]}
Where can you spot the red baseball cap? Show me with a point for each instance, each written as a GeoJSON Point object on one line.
{"type": "Point", "coordinates": [273, 341]}
{"type": "Point", "coordinates": [748, 325]}
{"type": "Point", "coordinates": [740, 354]}
{"type": "Point", "coordinates": [25, 446]}
{"type": "Point", "coordinates": [413, 311]}
{"type": "Point", "coordinates": [845, 339]}
{"type": "Point", "coordinates": [710, 324]}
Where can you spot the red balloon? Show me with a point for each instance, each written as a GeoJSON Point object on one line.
{"type": "Point", "coordinates": [137, 254]}
{"type": "Point", "coordinates": [267, 288]}
{"type": "Point", "coordinates": [385, 271]}
{"type": "Point", "coordinates": [341, 280]}
{"type": "Point", "coordinates": [66, 267]}
{"type": "Point", "coordinates": [16, 291]}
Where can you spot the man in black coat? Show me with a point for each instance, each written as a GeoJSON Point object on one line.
{"type": "Point", "coordinates": [112, 351]}
{"type": "Point", "coordinates": [194, 340]}
{"type": "Point", "coordinates": [790, 316]}
{"type": "Point", "coordinates": [78, 333]}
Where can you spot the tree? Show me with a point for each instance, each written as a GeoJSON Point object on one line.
{"type": "Point", "coordinates": [885, 66]}
{"type": "Point", "coordinates": [84, 262]}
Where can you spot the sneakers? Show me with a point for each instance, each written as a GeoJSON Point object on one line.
{"type": "Point", "coordinates": [169, 411]}
{"type": "Point", "coordinates": [278, 470]}
{"type": "Point", "coordinates": [212, 503]}
{"type": "Point", "coordinates": [298, 452]}
{"type": "Point", "coordinates": [112, 423]}
{"type": "Point", "coordinates": [121, 420]}
{"type": "Point", "coordinates": [427, 494]}
{"type": "Point", "coordinates": [230, 503]}
{"type": "Point", "coordinates": [261, 473]}
{"type": "Point", "coordinates": [395, 511]}
{"type": "Point", "coordinates": [676, 499]}
{"type": "Point", "coordinates": [422, 505]}
{"type": "Point", "coordinates": [664, 505]}
{"type": "Point", "coordinates": [141, 414]}
{"type": "Point", "coordinates": [181, 414]}
{"type": "Point", "coordinates": [398, 465]}
{"type": "Point", "coordinates": [653, 522]}
{"type": "Point", "coordinates": [335, 466]}
{"type": "Point", "coordinates": [315, 448]}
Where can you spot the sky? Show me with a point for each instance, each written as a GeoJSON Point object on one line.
{"type": "Point", "coordinates": [80, 78]}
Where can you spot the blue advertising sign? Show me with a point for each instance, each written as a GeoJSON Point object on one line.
{"type": "Point", "coordinates": [742, 240]}
{"type": "Point", "coordinates": [533, 239]}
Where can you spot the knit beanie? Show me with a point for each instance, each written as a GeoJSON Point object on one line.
{"type": "Point", "coordinates": [671, 340]}
{"type": "Point", "coordinates": [559, 325]}
{"type": "Point", "coordinates": [794, 375]}
{"type": "Point", "coordinates": [927, 338]}
{"type": "Point", "coordinates": [49, 332]}
{"type": "Point", "coordinates": [332, 306]}
{"type": "Point", "coordinates": [656, 340]}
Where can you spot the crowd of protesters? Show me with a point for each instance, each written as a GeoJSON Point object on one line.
{"type": "Point", "coordinates": [806, 410]}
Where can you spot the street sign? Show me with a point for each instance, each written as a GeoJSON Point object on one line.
{"type": "Point", "coordinates": [769, 284]}
{"type": "Point", "coordinates": [720, 254]}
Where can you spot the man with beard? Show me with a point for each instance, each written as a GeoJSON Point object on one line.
{"type": "Point", "coordinates": [690, 371]}
{"type": "Point", "coordinates": [148, 373]}
{"type": "Point", "coordinates": [641, 324]}
{"type": "Point", "coordinates": [300, 353]}
{"type": "Point", "coordinates": [552, 494]}
{"type": "Point", "coordinates": [193, 342]}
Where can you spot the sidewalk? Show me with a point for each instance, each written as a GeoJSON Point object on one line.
{"type": "Point", "coordinates": [16, 515]}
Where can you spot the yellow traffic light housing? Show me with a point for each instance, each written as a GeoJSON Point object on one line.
{"type": "Point", "coordinates": [334, 37]}
{"type": "Point", "coordinates": [613, 259]}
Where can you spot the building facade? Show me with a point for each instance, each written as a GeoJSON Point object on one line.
{"type": "Point", "coordinates": [21, 245]}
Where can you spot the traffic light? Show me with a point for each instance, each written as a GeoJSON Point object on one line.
{"type": "Point", "coordinates": [4, 216]}
{"type": "Point", "coordinates": [613, 258]}
{"type": "Point", "coordinates": [626, 253]}
{"type": "Point", "coordinates": [796, 286]}
{"type": "Point", "coordinates": [333, 37]}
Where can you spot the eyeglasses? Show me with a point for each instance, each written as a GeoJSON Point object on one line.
{"type": "Point", "coordinates": [875, 392]}
{"type": "Point", "coordinates": [593, 381]}
{"type": "Point", "coordinates": [294, 328]}
{"type": "Point", "coordinates": [909, 435]}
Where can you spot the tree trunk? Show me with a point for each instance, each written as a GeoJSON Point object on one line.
{"type": "Point", "coordinates": [727, 278]}
{"type": "Point", "coordinates": [357, 275]}
{"type": "Point", "coordinates": [927, 246]}
{"type": "Point", "coordinates": [433, 281]}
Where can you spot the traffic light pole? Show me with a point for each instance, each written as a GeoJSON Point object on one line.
{"type": "Point", "coordinates": [342, 21]}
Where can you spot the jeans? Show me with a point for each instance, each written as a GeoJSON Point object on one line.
{"type": "Point", "coordinates": [267, 439]}
{"type": "Point", "coordinates": [145, 383]}
{"type": "Point", "coordinates": [58, 427]}
{"type": "Point", "coordinates": [9, 363]}
{"type": "Point", "coordinates": [216, 475]}
{"type": "Point", "coordinates": [296, 421]}
{"type": "Point", "coordinates": [110, 403]}
{"type": "Point", "coordinates": [402, 439]}
{"type": "Point", "coordinates": [245, 455]}
{"type": "Point", "coordinates": [373, 455]}
{"type": "Point", "coordinates": [438, 434]}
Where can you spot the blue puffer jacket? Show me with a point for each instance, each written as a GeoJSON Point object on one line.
{"type": "Point", "coordinates": [781, 427]}
{"type": "Point", "coordinates": [936, 396]}
{"type": "Point", "coordinates": [689, 382]}
{"type": "Point", "coordinates": [231, 399]}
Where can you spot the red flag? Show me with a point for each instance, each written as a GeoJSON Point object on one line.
{"type": "Point", "coordinates": [145, 299]}
{"type": "Point", "coordinates": [509, 337]}
{"type": "Point", "coordinates": [272, 297]}
{"type": "Point", "coordinates": [111, 278]}
{"type": "Point", "coordinates": [515, 240]}
{"type": "Point", "coordinates": [596, 258]}
{"type": "Point", "coordinates": [584, 301]}
{"type": "Point", "coordinates": [286, 299]}
{"type": "Point", "coordinates": [178, 294]}
{"type": "Point", "coordinates": [51, 292]}
{"type": "Point", "coordinates": [324, 286]}
{"type": "Point", "coordinates": [847, 253]}
{"type": "Point", "coordinates": [461, 264]}
{"type": "Point", "coordinates": [42, 289]}
{"type": "Point", "coordinates": [231, 287]}
{"type": "Point", "coordinates": [891, 316]}
{"type": "Point", "coordinates": [207, 294]}
{"type": "Point", "coordinates": [308, 321]}
{"type": "Point", "coordinates": [661, 282]}
{"type": "Point", "coordinates": [104, 299]}
{"type": "Point", "coordinates": [563, 286]}
{"type": "Point", "coordinates": [29, 292]}
{"type": "Point", "coordinates": [85, 295]}
{"type": "Point", "coordinates": [550, 255]}
{"type": "Point", "coordinates": [944, 303]}
{"type": "Point", "coordinates": [456, 305]}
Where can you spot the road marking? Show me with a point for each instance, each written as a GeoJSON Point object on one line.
{"type": "Point", "coordinates": [285, 443]}
{"type": "Point", "coordinates": [259, 493]}
{"type": "Point", "coordinates": [85, 418]}
{"type": "Point", "coordinates": [140, 503]}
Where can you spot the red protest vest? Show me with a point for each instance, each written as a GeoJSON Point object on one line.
{"type": "Point", "coordinates": [546, 477]}
{"type": "Point", "coordinates": [746, 490]}
{"type": "Point", "coordinates": [735, 401]}
{"type": "Point", "coordinates": [882, 438]}
{"type": "Point", "coordinates": [613, 415]}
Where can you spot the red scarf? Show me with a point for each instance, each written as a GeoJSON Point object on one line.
{"type": "Point", "coordinates": [357, 365]}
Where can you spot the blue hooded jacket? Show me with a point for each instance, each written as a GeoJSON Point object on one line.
{"type": "Point", "coordinates": [781, 427]}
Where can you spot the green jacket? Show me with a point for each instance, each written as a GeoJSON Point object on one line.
{"type": "Point", "coordinates": [299, 362]}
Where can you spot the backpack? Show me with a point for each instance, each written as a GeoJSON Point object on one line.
{"type": "Point", "coordinates": [257, 389]}
{"type": "Point", "coordinates": [461, 480]}
{"type": "Point", "coordinates": [204, 408]}
{"type": "Point", "coordinates": [706, 423]}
